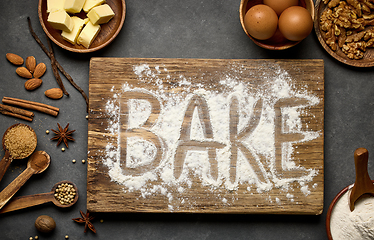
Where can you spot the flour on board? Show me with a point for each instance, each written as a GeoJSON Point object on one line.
{"type": "Point", "coordinates": [173, 106]}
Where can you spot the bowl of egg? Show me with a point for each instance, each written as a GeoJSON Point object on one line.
{"type": "Point", "coordinates": [275, 24]}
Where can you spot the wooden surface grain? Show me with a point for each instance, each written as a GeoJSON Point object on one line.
{"type": "Point", "coordinates": [108, 76]}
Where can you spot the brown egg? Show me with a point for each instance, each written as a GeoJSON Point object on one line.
{"type": "Point", "coordinates": [280, 5]}
{"type": "Point", "coordinates": [261, 22]}
{"type": "Point", "coordinates": [295, 23]}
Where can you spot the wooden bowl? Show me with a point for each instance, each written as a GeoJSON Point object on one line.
{"type": "Point", "coordinates": [57, 203]}
{"type": "Point", "coordinates": [277, 42]}
{"type": "Point", "coordinates": [329, 211]}
{"type": "Point", "coordinates": [106, 35]}
{"type": "Point", "coordinates": [366, 61]}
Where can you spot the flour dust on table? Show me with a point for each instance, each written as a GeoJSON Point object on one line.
{"type": "Point", "coordinates": [175, 133]}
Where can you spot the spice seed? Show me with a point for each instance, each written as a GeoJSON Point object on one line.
{"type": "Point", "coordinates": [66, 237]}
{"type": "Point", "coordinates": [39, 70]}
{"type": "Point", "coordinates": [54, 93]}
{"type": "Point", "coordinates": [63, 149]}
{"type": "Point", "coordinates": [83, 161]}
{"type": "Point", "coordinates": [33, 84]}
{"type": "Point", "coordinates": [65, 193]}
{"type": "Point", "coordinates": [31, 63]}
{"type": "Point", "coordinates": [47, 132]}
{"type": "Point", "coordinates": [23, 72]}
{"type": "Point", "coordinates": [14, 58]}
{"type": "Point", "coordinates": [73, 161]}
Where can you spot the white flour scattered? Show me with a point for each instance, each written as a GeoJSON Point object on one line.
{"type": "Point", "coordinates": [356, 225]}
{"type": "Point", "coordinates": [174, 100]}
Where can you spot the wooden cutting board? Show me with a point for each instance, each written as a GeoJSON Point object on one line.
{"type": "Point", "coordinates": [205, 136]}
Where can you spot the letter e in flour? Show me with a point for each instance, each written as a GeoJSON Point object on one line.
{"type": "Point", "coordinates": [282, 137]}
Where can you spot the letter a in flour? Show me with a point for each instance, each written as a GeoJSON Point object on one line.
{"type": "Point", "coordinates": [186, 144]}
{"type": "Point", "coordinates": [140, 132]}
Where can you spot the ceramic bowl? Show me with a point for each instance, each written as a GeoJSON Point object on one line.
{"type": "Point", "coordinates": [277, 42]}
{"type": "Point", "coordinates": [331, 207]}
{"type": "Point", "coordinates": [107, 33]}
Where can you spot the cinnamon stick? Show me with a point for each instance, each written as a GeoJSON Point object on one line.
{"type": "Point", "coordinates": [41, 107]}
{"type": "Point", "coordinates": [16, 112]}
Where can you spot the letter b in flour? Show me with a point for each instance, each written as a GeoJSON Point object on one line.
{"type": "Point", "coordinates": [142, 132]}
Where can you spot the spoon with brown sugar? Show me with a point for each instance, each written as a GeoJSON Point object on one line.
{"type": "Point", "coordinates": [19, 141]}
{"type": "Point", "coordinates": [38, 162]}
{"type": "Point", "coordinates": [363, 184]}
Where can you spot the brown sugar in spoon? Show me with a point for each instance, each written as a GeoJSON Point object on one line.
{"type": "Point", "coordinates": [37, 163]}
{"type": "Point", "coordinates": [16, 145]}
{"type": "Point", "coordinates": [363, 184]}
{"type": "Point", "coordinates": [37, 199]}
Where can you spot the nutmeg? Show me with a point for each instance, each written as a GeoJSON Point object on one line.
{"type": "Point", "coordinates": [45, 224]}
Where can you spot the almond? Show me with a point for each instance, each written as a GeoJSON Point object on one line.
{"type": "Point", "coordinates": [14, 59]}
{"type": "Point", "coordinates": [23, 72]}
{"type": "Point", "coordinates": [39, 70]}
{"type": "Point", "coordinates": [33, 84]}
{"type": "Point", "coordinates": [54, 93]}
{"type": "Point", "coordinates": [30, 63]}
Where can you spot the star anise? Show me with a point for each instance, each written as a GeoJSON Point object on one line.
{"type": "Point", "coordinates": [86, 219]}
{"type": "Point", "coordinates": [63, 135]}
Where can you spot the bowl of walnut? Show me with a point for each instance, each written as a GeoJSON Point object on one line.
{"type": "Point", "coordinates": [345, 29]}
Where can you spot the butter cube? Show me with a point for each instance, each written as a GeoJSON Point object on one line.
{"type": "Point", "coordinates": [73, 35]}
{"type": "Point", "coordinates": [60, 20]}
{"type": "Point", "coordinates": [89, 4]}
{"type": "Point", "coordinates": [100, 14]}
{"type": "Point", "coordinates": [88, 34]}
{"type": "Point", "coordinates": [54, 5]}
{"type": "Point", "coordinates": [74, 6]}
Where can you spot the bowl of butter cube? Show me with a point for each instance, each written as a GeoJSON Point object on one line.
{"type": "Point", "coordinates": [82, 26]}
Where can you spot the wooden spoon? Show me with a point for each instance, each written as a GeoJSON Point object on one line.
{"type": "Point", "coordinates": [38, 162]}
{"type": "Point", "coordinates": [363, 183]}
{"type": "Point", "coordinates": [37, 199]}
{"type": "Point", "coordinates": [8, 158]}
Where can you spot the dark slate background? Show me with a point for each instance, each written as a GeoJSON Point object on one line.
{"type": "Point", "coordinates": [171, 29]}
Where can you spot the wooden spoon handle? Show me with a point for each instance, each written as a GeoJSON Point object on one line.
{"type": "Point", "coordinates": [361, 157]}
{"type": "Point", "coordinates": [27, 201]}
{"type": "Point", "coordinates": [363, 183]}
{"type": "Point", "coordinates": [4, 163]}
{"type": "Point", "coordinates": [14, 186]}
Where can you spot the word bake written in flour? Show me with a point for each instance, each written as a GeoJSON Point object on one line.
{"type": "Point", "coordinates": [208, 144]}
